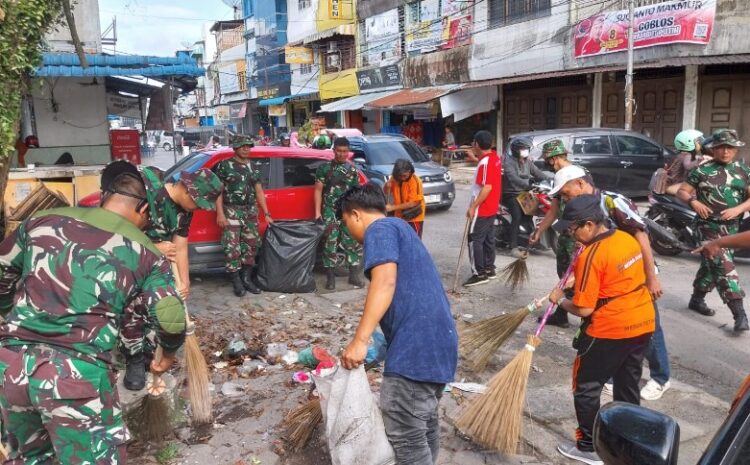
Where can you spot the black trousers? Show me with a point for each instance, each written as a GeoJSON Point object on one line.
{"type": "Point", "coordinates": [516, 215]}
{"type": "Point", "coordinates": [599, 360]}
{"type": "Point", "coordinates": [482, 245]}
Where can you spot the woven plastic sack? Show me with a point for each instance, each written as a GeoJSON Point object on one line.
{"type": "Point", "coordinates": [353, 422]}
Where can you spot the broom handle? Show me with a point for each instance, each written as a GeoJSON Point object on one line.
{"type": "Point", "coordinates": [461, 254]}
{"type": "Point", "coordinates": [561, 285]}
{"type": "Point", "coordinates": [178, 284]}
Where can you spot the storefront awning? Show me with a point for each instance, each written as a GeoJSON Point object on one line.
{"type": "Point", "coordinates": [343, 29]}
{"type": "Point", "coordinates": [409, 98]}
{"type": "Point", "coordinates": [69, 65]}
{"type": "Point", "coordinates": [282, 100]}
{"type": "Point", "coordinates": [468, 102]}
{"type": "Point", "coordinates": [353, 103]}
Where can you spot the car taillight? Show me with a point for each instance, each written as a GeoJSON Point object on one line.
{"type": "Point", "coordinates": [31, 141]}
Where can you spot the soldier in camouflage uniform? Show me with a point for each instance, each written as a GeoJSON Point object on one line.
{"type": "Point", "coordinates": [719, 193]}
{"type": "Point", "coordinates": [556, 157]}
{"type": "Point", "coordinates": [170, 207]}
{"type": "Point", "coordinates": [66, 276]}
{"type": "Point", "coordinates": [331, 181]}
{"type": "Point", "coordinates": [237, 215]}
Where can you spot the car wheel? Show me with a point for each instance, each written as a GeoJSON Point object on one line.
{"type": "Point", "coordinates": [167, 146]}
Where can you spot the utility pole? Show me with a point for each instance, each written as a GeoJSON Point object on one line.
{"type": "Point", "coordinates": [629, 73]}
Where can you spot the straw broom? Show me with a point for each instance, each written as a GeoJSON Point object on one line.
{"type": "Point", "coordinates": [197, 370]}
{"type": "Point", "coordinates": [464, 237]}
{"type": "Point", "coordinates": [151, 419]}
{"type": "Point", "coordinates": [494, 418]}
{"type": "Point", "coordinates": [301, 422]}
{"type": "Point", "coordinates": [517, 273]}
{"type": "Point", "coordinates": [479, 341]}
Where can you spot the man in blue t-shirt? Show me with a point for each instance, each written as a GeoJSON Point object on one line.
{"type": "Point", "coordinates": [407, 299]}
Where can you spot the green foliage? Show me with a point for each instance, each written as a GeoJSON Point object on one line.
{"type": "Point", "coordinates": [305, 134]}
{"type": "Point", "coordinates": [167, 454]}
{"type": "Point", "coordinates": [22, 30]}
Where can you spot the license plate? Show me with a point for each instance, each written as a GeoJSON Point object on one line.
{"type": "Point", "coordinates": [434, 198]}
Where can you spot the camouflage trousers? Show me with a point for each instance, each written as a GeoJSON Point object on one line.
{"type": "Point", "coordinates": [566, 246]}
{"type": "Point", "coordinates": [240, 238]}
{"type": "Point", "coordinates": [338, 240]}
{"type": "Point", "coordinates": [136, 334]}
{"type": "Point", "coordinates": [720, 271]}
{"type": "Point", "coordinates": [59, 409]}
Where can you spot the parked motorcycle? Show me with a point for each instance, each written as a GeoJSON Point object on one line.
{"type": "Point", "coordinates": [528, 223]}
{"type": "Point", "coordinates": [681, 222]}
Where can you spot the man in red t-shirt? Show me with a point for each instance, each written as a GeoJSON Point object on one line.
{"type": "Point", "coordinates": [485, 202]}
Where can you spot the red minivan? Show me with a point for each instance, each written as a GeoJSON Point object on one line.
{"type": "Point", "coordinates": [288, 178]}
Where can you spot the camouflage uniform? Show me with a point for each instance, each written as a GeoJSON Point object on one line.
{"type": "Point", "coordinates": [66, 277]}
{"type": "Point", "coordinates": [337, 179]}
{"type": "Point", "coordinates": [719, 187]}
{"type": "Point", "coordinates": [166, 219]}
{"type": "Point", "coordinates": [241, 237]}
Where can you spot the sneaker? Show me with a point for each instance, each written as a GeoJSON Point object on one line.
{"type": "Point", "coordinates": [608, 389]}
{"type": "Point", "coordinates": [476, 280]}
{"type": "Point", "coordinates": [491, 275]}
{"type": "Point", "coordinates": [571, 451]}
{"type": "Point", "coordinates": [653, 390]}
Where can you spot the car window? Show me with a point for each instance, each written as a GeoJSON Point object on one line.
{"type": "Point", "coordinates": [263, 165]}
{"type": "Point", "coordinates": [191, 163]}
{"type": "Point", "coordinates": [300, 171]}
{"type": "Point", "coordinates": [630, 145]}
{"type": "Point", "coordinates": [168, 134]}
{"type": "Point", "coordinates": [583, 145]}
{"type": "Point", "coordinates": [386, 153]}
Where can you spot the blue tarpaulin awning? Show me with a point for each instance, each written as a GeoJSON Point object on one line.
{"type": "Point", "coordinates": [68, 65]}
{"type": "Point", "coordinates": [284, 99]}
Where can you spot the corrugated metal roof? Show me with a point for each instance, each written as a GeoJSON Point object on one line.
{"type": "Point", "coordinates": [68, 65]}
{"type": "Point", "coordinates": [676, 61]}
{"type": "Point", "coordinates": [353, 103]}
{"type": "Point", "coordinates": [343, 29]}
{"type": "Point", "coordinates": [407, 97]}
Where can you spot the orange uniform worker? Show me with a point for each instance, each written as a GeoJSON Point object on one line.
{"type": "Point", "coordinates": [619, 318]}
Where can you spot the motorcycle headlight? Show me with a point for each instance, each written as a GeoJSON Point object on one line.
{"type": "Point", "coordinates": [447, 176]}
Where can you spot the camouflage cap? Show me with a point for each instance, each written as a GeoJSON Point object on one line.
{"type": "Point", "coordinates": [553, 148]}
{"type": "Point", "coordinates": [724, 137]}
{"type": "Point", "coordinates": [241, 141]}
{"type": "Point", "coordinates": [203, 187]}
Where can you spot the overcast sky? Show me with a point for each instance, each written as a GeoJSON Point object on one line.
{"type": "Point", "coordinates": [159, 27]}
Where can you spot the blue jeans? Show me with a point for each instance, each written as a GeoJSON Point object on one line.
{"type": "Point", "coordinates": [657, 356]}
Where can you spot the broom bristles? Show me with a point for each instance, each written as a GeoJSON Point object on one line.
{"type": "Point", "coordinates": [197, 373]}
{"type": "Point", "coordinates": [480, 341]}
{"type": "Point", "coordinates": [151, 419]}
{"type": "Point", "coordinates": [301, 422]}
{"type": "Point", "coordinates": [516, 274]}
{"type": "Point", "coordinates": [494, 418]}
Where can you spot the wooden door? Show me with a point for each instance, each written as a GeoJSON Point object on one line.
{"type": "Point", "coordinates": [724, 102]}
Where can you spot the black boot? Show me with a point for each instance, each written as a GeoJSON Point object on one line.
{"type": "Point", "coordinates": [239, 289]}
{"type": "Point", "coordinates": [698, 304]}
{"type": "Point", "coordinates": [330, 279]}
{"type": "Point", "coordinates": [355, 277]}
{"type": "Point", "coordinates": [559, 318]}
{"type": "Point", "coordinates": [247, 279]}
{"type": "Point", "coordinates": [740, 317]}
{"type": "Point", "coordinates": [135, 372]}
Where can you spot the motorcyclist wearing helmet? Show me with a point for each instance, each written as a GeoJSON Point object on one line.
{"type": "Point", "coordinates": [519, 172]}
{"type": "Point", "coordinates": [688, 142]}
{"type": "Point", "coordinates": [284, 140]}
{"type": "Point", "coordinates": [321, 142]}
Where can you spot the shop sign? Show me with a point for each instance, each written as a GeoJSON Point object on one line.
{"type": "Point", "coordinates": [386, 76]}
{"type": "Point", "coordinates": [268, 92]}
{"type": "Point", "coordinates": [237, 110]}
{"type": "Point", "coordinates": [276, 110]}
{"type": "Point", "coordinates": [685, 21]}
{"type": "Point", "coordinates": [382, 44]}
{"type": "Point", "coordinates": [298, 55]}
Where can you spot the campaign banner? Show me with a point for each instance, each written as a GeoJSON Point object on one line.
{"type": "Point", "coordinates": [682, 21]}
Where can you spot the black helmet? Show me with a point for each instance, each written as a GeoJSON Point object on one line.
{"type": "Point", "coordinates": [284, 136]}
{"type": "Point", "coordinates": [520, 143]}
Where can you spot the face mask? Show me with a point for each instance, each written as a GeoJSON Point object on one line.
{"type": "Point", "coordinates": [523, 153]}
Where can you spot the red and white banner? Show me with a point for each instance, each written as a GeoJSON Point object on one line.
{"type": "Point", "coordinates": [683, 21]}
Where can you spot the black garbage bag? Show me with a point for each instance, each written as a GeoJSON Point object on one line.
{"type": "Point", "coordinates": [287, 257]}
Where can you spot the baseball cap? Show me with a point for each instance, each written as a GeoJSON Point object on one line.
{"type": "Point", "coordinates": [581, 208]}
{"type": "Point", "coordinates": [724, 137]}
{"type": "Point", "coordinates": [553, 148]}
{"type": "Point", "coordinates": [566, 174]}
{"type": "Point", "coordinates": [242, 141]}
{"type": "Point", "coordinates": [203, 186]}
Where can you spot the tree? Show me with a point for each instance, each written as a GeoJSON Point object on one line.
{"type": "Point", "coordinates": [23, 25]}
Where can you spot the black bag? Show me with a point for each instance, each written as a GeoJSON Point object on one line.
{"type": "Point", "coordinates": [287, 256]}
{"type": "Point", "coordinates": [409, 214]}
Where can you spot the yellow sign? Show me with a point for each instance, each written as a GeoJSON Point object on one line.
{"type": "Point", "coordinates": [276, 110]}
{"type": "Point", "coordinates": [334, 9]}
{"type": "Point", "coordinates": [298, 55]}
